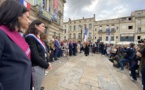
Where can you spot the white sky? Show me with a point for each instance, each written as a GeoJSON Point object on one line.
{"type": "Point", "coordinates": [104, 9]}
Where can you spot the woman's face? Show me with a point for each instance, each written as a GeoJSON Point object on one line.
{"type": "Point", "coordinates": [24, 20]}
{"type": "Point", "coordinates": [40, 28]}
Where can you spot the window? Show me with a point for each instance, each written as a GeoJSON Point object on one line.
{"type": "Point", "coordinates": [45, 31]}
{"type": "Point", "coordinates": [100, 27]}
{"type": "Point", "coordinates": [139, 14]}
{"type": "Point", "coordinates": [123, 26]}
{"type": "Point", "coordinates": [70, 36]}
{"type": "Point", "coordinates": [70, 27]}
{"type": "Point", "coordinates": [90, 35]}
{"type": "Point", "coordinates": [117, 28]}
{"type": "Point", "coordinates": [123, 19]}
{"type": "Point", "coordinates": [129, 18]}
{"type": "Point", "coordinates": [116, 37]}
{"type": "Point", "coordinates": [90, 26]}
{"type": "Point", "coordinates": [138, 37]}
{"type": "Point", "coordinates": [64, 30]}
{"type": "Point", "coordinates": [100, 38]}
{"type": "Point", "coordinates": [79, 35]}
{"type": "Point", "coordinates": [64, 37]}
{"type": "Point", "coordinates": [74, 27]}
{"type": "Point", "coordinates": [74, 36]}
{"type": "Point", "coordinates": [112, 38]}
{"type": "Point", "coordinates": [45, 4]}
{"type": "Point", "coordinates": [106, 38]}
{"type": "Point", "coordinates": [54, 34]}
{"type": "Point", "coordinates": [85, 25]}
{"type": "Point", "coordinates": [130, 27]}
{"type": "Point", "coordinates": [59, 35]}
{"type": "Point", "coordinates": [139, 22]}
{"type": "Point", "coordinates": [36, 2]}
{"type": "Point", "coordinates": [139, 29]}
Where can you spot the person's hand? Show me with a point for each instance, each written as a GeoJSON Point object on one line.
{"type": "Point", "coordinates": [138, 54]}
{"type": "Point", "coordinates": [50, 66]}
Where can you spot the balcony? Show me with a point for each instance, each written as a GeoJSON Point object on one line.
{"type": "Point", "coordinates": [113, 30]}
{"type": "Point", "coordinates": [89, 37]}
{"type": "Point", "coordinates": [140, 31]}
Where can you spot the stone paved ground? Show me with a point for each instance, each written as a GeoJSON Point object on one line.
{"type": "Point", "coordinates": [94, 72]}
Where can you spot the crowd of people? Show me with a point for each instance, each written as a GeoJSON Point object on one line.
{"type": "Point", "coordinates": [26, 54]}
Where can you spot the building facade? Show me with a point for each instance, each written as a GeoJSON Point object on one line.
{"type": "Point", "coordinates": [130, 28]}
{"type": "Point", "coordinates": [75, 29]}
{"type": "Point", "coordinates": [50, 12]}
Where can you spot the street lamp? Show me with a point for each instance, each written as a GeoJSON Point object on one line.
{"type": "Point", "coordinates": [81, 31]}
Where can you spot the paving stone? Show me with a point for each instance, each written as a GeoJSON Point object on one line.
{"type": "Point", "coordinates": [107, 85]}
{"type": "Point", "coordinates": [88, 73]}
{"type": "Point", "coordinates": [72, 79]}
{"type": "Point", "coordinates": [89, 82]}
{"type": "Point", "coordinates": [65, 68]}
{"type": "Point", "coordinates": [84, 87]}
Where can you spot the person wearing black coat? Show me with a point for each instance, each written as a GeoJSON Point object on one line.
{"type": "Point", "coordinates": [130, 54]}
{"type": "Point", "coordinates": [86, 49]}
{"type": "Point", "coordinates": [38, 52]}
{"type": "Point", "coordinates": [15, 63]}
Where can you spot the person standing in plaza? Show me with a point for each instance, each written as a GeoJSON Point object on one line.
{"type": "Point", "coordinates": [15, 67]}
{"type": "Point", "coordinates": [57, 47]}
{"type": "Point", "coordinates": [70, 48]}
{"type": "Point", "coordinates": [74, 49]}
{"type": "Point", "coordinates": [38, 52]}
{"type": "Point", "coordinates": [86, 49]}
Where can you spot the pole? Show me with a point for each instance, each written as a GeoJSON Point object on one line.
{"type": "Point", "coordinates": [81, 35]}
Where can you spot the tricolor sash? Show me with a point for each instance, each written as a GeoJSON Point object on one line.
{"type": "Point", "coordinates": [17, 38]}
{"type": "Point", "coordinates": [38, 40]}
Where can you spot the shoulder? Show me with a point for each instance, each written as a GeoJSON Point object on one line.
{"type": "Point", "coordinates": [31, 38]}
{"type": "Point", "coordinates": [2, 34]}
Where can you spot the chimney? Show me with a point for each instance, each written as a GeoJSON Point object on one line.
{"type": "Point", "coordinates": [69, 20]}
{"type": "Point", "coordinates": [94, 15]}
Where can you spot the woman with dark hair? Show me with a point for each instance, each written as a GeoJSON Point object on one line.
{"type": "Point", "coordinates": [38, 52]}
{"type": "Point", "coordinates": [15, 64]}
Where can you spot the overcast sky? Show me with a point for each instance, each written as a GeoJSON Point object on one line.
{"type": "Point", "coordinates": [104, 9]}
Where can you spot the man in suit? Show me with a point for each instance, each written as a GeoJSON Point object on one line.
{"type": "Point", "coordinates": [57, 46]}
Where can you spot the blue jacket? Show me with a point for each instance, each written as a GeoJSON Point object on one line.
{"type": "Point", "coordinates": [15, 67]}
{"type": "Point", "coordinates": [56, 44]}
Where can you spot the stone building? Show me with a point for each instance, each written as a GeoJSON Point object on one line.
{"type": "Point", "coordinates": [44, 10]}
{"type": "Point", "coordinates": [75, 29]}
{"type": "Point", "coordinates": [130, 28]}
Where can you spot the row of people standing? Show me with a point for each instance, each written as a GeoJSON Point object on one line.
{"type": "Point", "coordinates": [23, 63]}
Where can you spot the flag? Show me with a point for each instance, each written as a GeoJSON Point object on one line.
{"type": "Point", "coordinates": [86, 34]}
{"type": "Point", "coordinates": [109, 35]}
{"type": "Point", "coordinates": [26, 4]}
{"type": "Point", "coordinates": [55, 4]}
{"type": "Point", "coordinates": [55, 10]}
{"type": "Point", "coordinates": [55, 14]}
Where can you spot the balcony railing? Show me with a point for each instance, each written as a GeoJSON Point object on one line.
{"type": "Point", "coordinates": [100, 31]}
{"type": "Point", "coordinates": [111, 31]}
{"type": "Point", "coordinates": [89, 37]}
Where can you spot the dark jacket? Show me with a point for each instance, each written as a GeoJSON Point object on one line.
{"type": "Point", "coordinates": [37, 53]}
{"type": "Point", "coordinates": [130, 53]}
{"type": "Point", "coordinates": [15, 67]}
